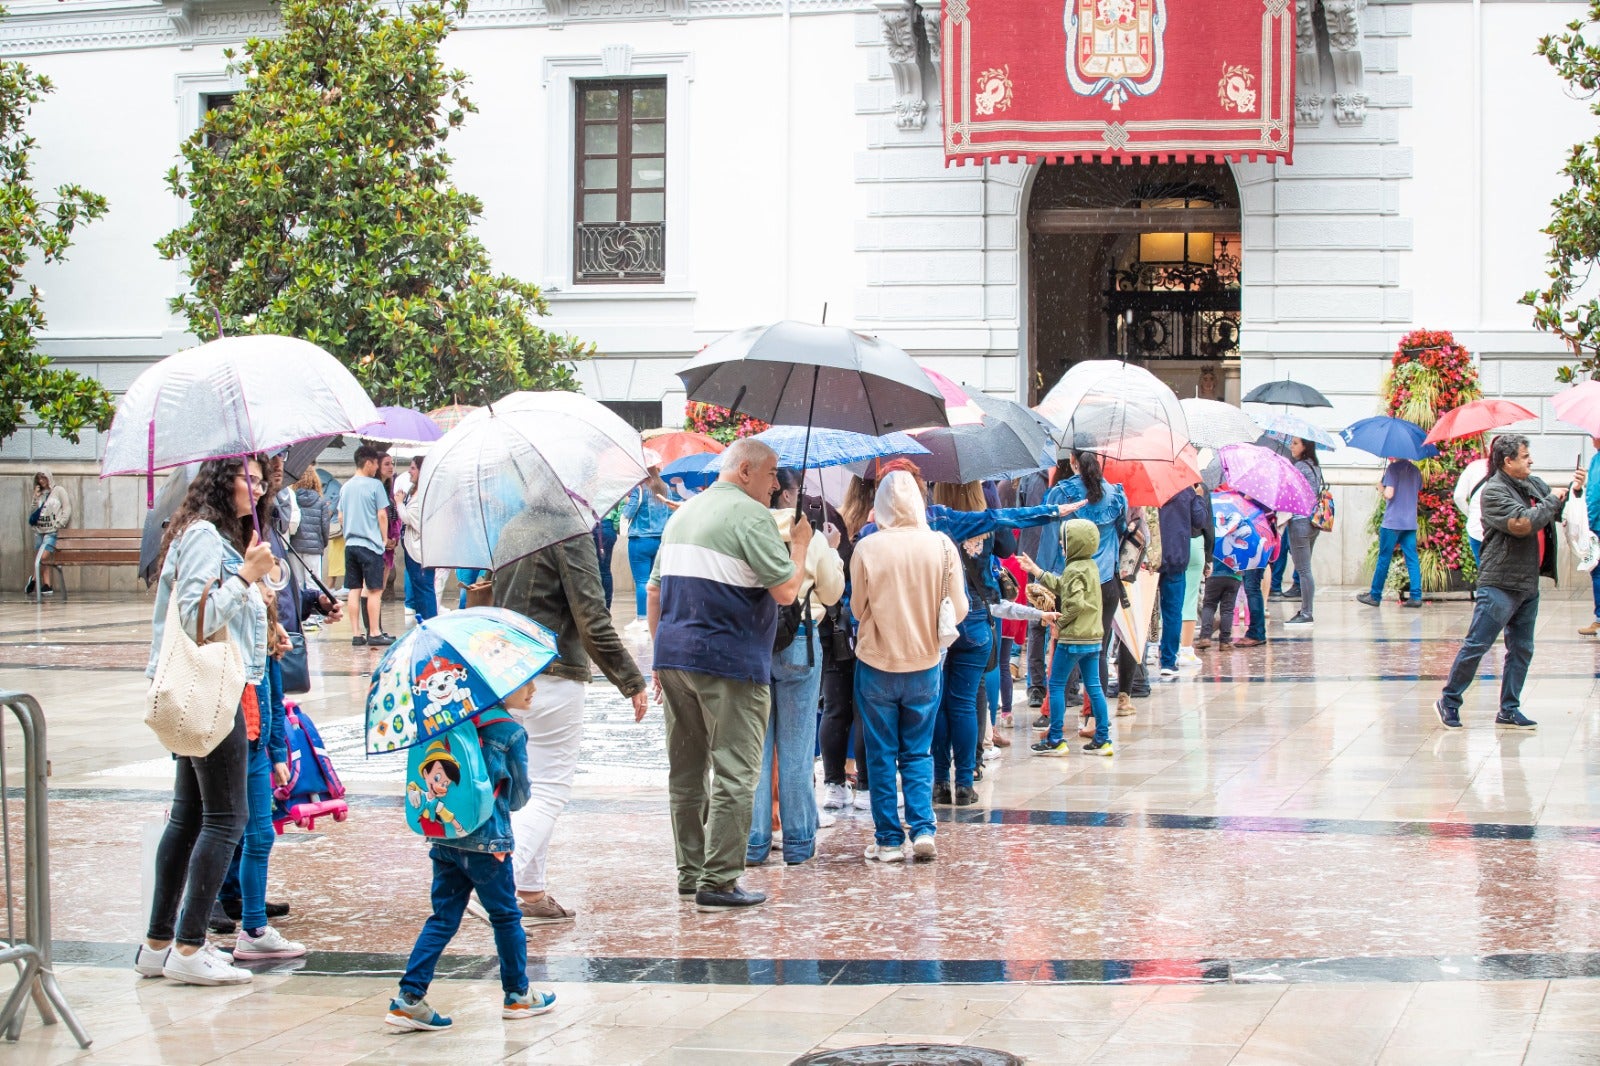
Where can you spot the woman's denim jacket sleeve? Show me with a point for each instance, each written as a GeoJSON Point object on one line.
{"type": "Point", "coordinates": [505, 757]}
{"type": "Point", "coordinates": [195, 559]}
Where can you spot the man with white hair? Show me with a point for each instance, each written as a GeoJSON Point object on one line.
{"type": "Point", "coordinates": [719, 578]}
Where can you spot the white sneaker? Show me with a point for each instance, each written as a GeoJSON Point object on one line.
{"type": "Point", "coordinates": [271, 944]}
{"type": "Point", "coordinates": [1187, 657]}
{"type": "Point", "coordinates": [862, 800]}
{"type": "Point", "coordinates": [923, 848]}
{"type": "Point", "coordinates": [204, 967]}
{"type": "Point", "coordinates": [878, 853]}
{"type": "Point", "coordinates": [992, 754]}
{"type": "Point", "coordinates": [1168, 673]}
{"type": "Point", "coordinates": [835, 797]}
{"type": "Point", "coordinates": [638, 625]}
{"type": "Point", "coordinates": [148, 962]}
{"type": "Point", "coordinates": [826, 820]}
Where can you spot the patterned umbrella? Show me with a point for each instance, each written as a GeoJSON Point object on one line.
{"type": "Point", "coordinates": [1213, 423]}
{"type": "Point", "coordinates": [1286, 427]}
{"type": "Point", "coordinates": [827, 447]}
{"type": "Point", "coordinates": [449, 417]}
{"type": "Point", "coordinates": [1247, 538]}
{"type": "Point", "coordinates": [1267, 477]}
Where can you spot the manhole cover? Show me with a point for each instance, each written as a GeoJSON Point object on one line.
{"type": "Point", "coordinates": [910, 1055]}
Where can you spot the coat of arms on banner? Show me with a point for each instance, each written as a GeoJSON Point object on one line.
{"type": "Point", "coordinates": [1117, 47]}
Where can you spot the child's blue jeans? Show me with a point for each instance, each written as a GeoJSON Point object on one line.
{"type": "Point", "coordinates": [1086, 657]}
{"type": "Point", "coordinates": [456, 872]}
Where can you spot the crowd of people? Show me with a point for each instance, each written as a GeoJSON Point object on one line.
{"type": "Point", "coordinates": [889, 628]}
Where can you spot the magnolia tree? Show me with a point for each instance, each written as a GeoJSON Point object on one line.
{"type": "Point", "coordinates": [1568, 306]}
{"type": "Point", "coordinates": [322, 207]}
{"type": "Point", "coordinates": [37, 229]}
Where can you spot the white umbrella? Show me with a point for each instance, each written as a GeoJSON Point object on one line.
{"type": "Point", "coordinates": [234, 396]}
{"type": "Point", "coordinates": [528, 471]}
{"type": "Point", "coordinates": [1117, 410]}
{"type": "Point", "coordinates": [1213, 423]}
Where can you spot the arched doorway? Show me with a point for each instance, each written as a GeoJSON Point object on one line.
{"type": "Point", "coordinates": [1140, 261]}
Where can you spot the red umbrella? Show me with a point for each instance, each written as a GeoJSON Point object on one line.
{"type": "Point", "coordinates": [1151, 483]}
{"type": "Point", "coordinates": [1580, 406]}
{"type": "Point", "coordinates": [673, 445]}
{"type": "Point", "coordinates": [1479, 416]}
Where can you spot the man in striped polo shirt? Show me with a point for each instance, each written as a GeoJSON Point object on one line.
{"type": "Point", "coordinates": [719, 579]}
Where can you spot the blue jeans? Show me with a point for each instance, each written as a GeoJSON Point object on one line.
{"type": "Point", "coordinates": [897, 715]}
{"type": "Point", "coordinates": [792, 731]}
{"type": "Point", "coordinates": [1257, 629]}
{"type": "Point", "coordinates": [955, 728]}
{"type": "Point", "coordinates": [1496, 611]}
{"type": "Point", "coordinates": [465, 577]}
{"type": "Point", "coordinates": [1170, 589]}
{"type": "Point", "coordinates": [259, 836]}
{"type": "Point", "coordinates": [1406, 540]}
{"type": "Point", "coordinates": [605, 542]}
{"type": "Point", "coordinates": [642, 560]}
{"type": "Point", "coordinates": [1594, 581]}
{"type": "Point", "coordinates": [1477, 550]}
{"type": "Point", "coordinates": [421, 596]}
{"type": "Point", "coordinates": [1085, 658]}
{"type": "Point", "coordinates": [456, 873]}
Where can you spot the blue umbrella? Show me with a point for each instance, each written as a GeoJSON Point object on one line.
{"type": "Point", "coordinates": [1389, 438]}
{"type": "Point", "coordinates": [828, 447]}
{"type": "Point", "coordinates": [691, 470]}
{"type": "Point", "coordinates": [449, 669]}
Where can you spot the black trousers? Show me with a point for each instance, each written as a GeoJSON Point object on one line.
{"type": "Point", "coordinates": [209, 811]}
{"type": "Point", "coordinates": [1110, 604]}
{"type": "Point", "coordinates": [839, 720]}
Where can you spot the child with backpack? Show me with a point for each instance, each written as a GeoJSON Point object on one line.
{"type": "Point", "coordinates": [449, 787]}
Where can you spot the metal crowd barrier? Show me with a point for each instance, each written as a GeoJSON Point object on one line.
{"type": "Point", "coordinates": [31, 954]}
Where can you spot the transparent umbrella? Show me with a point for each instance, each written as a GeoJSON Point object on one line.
{"type": "Point", "coordinates": [1213, 423]}
{"type": "Point", "coordinates": [528, 471]}
{"type": "Point", "coordinates": [1117, 410]}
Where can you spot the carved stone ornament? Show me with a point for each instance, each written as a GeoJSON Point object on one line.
{"type": "Point", "coordinates": [900, 41]}
{"type": "Point", "coordinates": [559, 12]}
{"type": "Point", "coordinates": [931, 32]}
{"type": "Point", "coordinates": [1309, 108]}
{"type": "Point", "coordinates": [1340, 29]}
{"type": "Point", "coordinates": [1350, 109]}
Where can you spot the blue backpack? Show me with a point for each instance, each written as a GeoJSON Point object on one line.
{"type": "Point", "coordinates": [448, 791]}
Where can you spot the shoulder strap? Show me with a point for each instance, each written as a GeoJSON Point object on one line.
{"type": "Point", "coordinates": [200, 614]}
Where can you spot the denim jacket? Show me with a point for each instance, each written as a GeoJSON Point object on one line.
{"type": "Point", "coordinates": [195, 558]}
{"type": "Point", "coordinates": [505, 755]}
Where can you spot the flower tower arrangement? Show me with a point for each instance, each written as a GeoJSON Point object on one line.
{"type": "Point", "coordinates": [1430, 374]}
{"type": "Point", "coordinates": [719, 423]}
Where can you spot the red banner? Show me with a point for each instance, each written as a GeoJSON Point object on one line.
{"type": "Point", "coordinates": [1151, 80]}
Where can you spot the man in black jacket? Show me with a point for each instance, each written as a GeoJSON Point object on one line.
{"type": "Point", "coordinates": [559, 587]}
{"type": "Point", "coordinates": [1519, 511]}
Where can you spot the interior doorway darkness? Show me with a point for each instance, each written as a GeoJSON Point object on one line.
{"type": "Point", "coordinates": [1140, 261]}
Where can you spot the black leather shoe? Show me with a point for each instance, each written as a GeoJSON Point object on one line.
{"type": "Point", "coordinates": [1035, 699]}
{"type": "Point", "coordinates": [1369, 599]}
{"type": "Point", "coordinates": [941, 792]}
{"type": "Point", "coordinates": [966, 796]}
{"type": "Point", "coordinates": [729, 897]}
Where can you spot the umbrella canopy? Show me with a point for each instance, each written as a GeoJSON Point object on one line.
{"type": "Point", "coordinates": [1267, 477]}
{"type": "Point", "coordinates": [691, 470]}
{"type": "Point", "coordinates": [402, 425]}
{"type": "Point", "coordinates": [1580, 406]}
{"type": "Point", "coordinates": [828, 447]}
{"type": "Point", "coordinates": [988, 451]}
{"type": "Point", "coordinates": [1293, 393]}
{"type": "Point", "coordinates": [673, 444]}
{"type": "Point", "coordinates": [1390, 438]}
{"type": "Point", "coordinates": [1247, 536]}
{"type": "Point", "coordinates": [1151, 483]}
{"type": "Point", "coordinates": [797, 374]}
{"type": "Point", "coordinates": [1029, 425]}
{"type": "Point", "coordinates": [1213, 423]}
{"type": "Point", "coordinates": [1117, 410]}
{"type": "Point", "coordinates": [1286, 427]}
{"type": "Point", "coordinates": [450, 416]}
{"type": "Point", "coordinates": [161, 510]}
{"type": "Point", "coordinates": [451, 668]}
{"type": "Point", "coordinates": [231, 397]}
{"type": "Point", "coordinates": [957, 400]}
{"type": "Point", "coordinates": [534, 469]}
{"type": "Point", "coordinates": [1479, 416]}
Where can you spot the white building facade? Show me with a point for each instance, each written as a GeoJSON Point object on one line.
{"type": "Point", "coordinates": [784, 156]}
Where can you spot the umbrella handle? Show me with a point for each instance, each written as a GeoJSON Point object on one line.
{"type": "Point", "coordinates": [805, 451]}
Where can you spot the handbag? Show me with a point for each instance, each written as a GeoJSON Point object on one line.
{"type": "Point", "coordinates": [194, 696]}
{"type": "Point", "coordinates": [1322, 512]}
{"type": "Point", "coordinates": [949, 625]}
{"type": "Point", "coordinates": [33, 516]}
{"type": "Point", "coordinates": [481, 593]}
{"type": "Point", "coordinates": [295, 667]}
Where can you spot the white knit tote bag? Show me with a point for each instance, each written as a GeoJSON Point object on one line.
{"type": "Point", "coordinates": [195, 693]}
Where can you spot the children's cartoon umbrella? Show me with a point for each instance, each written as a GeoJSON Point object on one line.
{"type": "Point", "coordinates": [1246, 536]}
{"type": "Point", "coordinates": [691, 470]}
{"type": "Point", "coordinates": [451, 668]}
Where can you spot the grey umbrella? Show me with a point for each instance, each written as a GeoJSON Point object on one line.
{"type": "Point", "coordinates": [797, 374]}
{"type": "Point", "coordinates": [1293, 393]}
{"type": "Point", "coordinates": [987, 451]}
{"type": "Point", "coordinates": [1030, 426]}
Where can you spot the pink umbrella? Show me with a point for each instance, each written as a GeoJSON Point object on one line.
{"type": "Point", "coordinates": [1580, 406]}
{"type": "Point", "coordinates": [1267, 477]}
{"type": "Point", "coordinates": [961, 408]}
{"type": "Point", "coordinates": [1479, 416]}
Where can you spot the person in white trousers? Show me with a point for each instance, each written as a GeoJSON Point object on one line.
{"type": "Point", "coordinates": [559, 587]}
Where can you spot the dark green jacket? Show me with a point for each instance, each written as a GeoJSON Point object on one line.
{"type": "Point", "coordinates": [559, 587]}
{"type": "Point", "coordinates": [1077, 587]}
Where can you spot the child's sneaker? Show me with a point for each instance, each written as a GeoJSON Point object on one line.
{"type": "Point", "coordinates": [527, 1005]}
{"type": "Point", "coordinates": [1044, 747]}
{"type": "Point", "coordinates": [416, 1016]}
{"type": "Point", "coordinates": [1098, 747]}
{"type": "Point", "coordinates": [271, 944]}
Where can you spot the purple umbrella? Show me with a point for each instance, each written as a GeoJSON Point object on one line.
{"type": "Point", "coordinates": [1267, 477]}
{"type": "Point", "coordinates": [402, 425]}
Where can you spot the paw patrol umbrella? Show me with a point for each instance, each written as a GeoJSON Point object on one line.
{"type": "Point", "coordinates": [1246, 537]}
{"type": "Point", "coordinates": [449, 669]}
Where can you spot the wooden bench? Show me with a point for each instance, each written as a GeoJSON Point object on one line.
{"type": "Point", "coordinates": [86, 547]}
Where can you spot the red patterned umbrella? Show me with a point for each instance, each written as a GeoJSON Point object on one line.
{"type": "Point", "coordinates": [1479, 416]}
{"type": "Point", "coordinates": [450, 416]}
